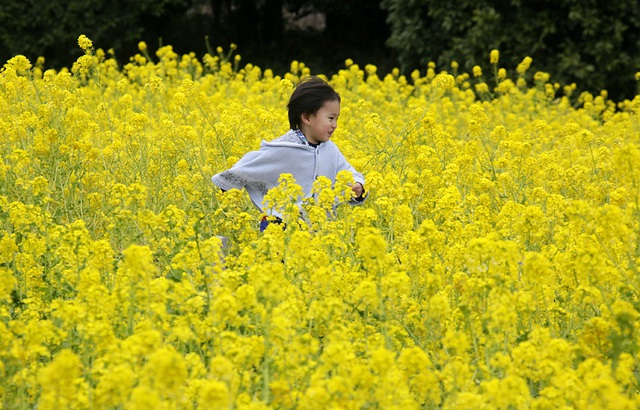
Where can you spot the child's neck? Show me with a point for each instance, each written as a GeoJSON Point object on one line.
{"type": "Point", "coordinates": [313, 144]}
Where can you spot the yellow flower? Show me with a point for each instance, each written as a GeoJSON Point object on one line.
{"type": "Point", "coordinates": [8, 281]}
{"type": "Point", "coordinates": [166, 370]}
{"type": "Point", "coordinates": [115, 386]}
{"type": "Point", "coordinates": [137, 264]}
{"type": "Point", "coordinates": [8, 249]}
{"type": "Point", "coordinates": [444, 81]}
{"type": "Point", "coordinates": [365, 296]}
{"type": "Point", "coordinates": [213, 394]}
{"type": "Point", "coordinates": [494, 56]}
{"type": "Point", "coordinates": [144, 397]}
{"type": "Point", "coordinates": [85, 43]}
{"type": "Point", "coordinates": [372, 248]}
{"type": "Point", "coordinates": [455, 343]}
{"type": "Point", "coordinates": [18, 63]}
{"type": "Point", "coordinates": [482, 88]}
{"type": "Point", "coordinates": [541, 77]}
{"type": "Point", "coordinates": [40, 185]}
{"type": "Point", "coordinates": [524, 65]}
{"type": "Point", "coordinates": [155, 85]}
{"type": "Point", "coordinates": [508, 392]}
{"type": "Point", "coordinates": [478, 119]}
{"type": "Point", "coordinates": [491, 267]}
{"type": "Point", "coordinates": [60, 381]}
{"type": "Point", "coordinates": [381, 361]}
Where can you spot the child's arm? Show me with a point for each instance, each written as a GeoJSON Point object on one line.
{"type": "Point", "coordinates": [360, 193]}
{"type": "Point", "coordinates": [357, 189]}
{"type": "Point", "coordinates": [252, 167]}
{"type": "Point", "coordinates": [358, 186]}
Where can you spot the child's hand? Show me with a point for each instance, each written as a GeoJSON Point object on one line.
{"type": "Point", "coordinates": [357, 189]}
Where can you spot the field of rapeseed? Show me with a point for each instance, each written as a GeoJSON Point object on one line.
{"type": "Point", "coordinates": [493, 266]}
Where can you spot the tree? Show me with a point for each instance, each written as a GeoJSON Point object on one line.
{"type": "Point", "coordinates": [51, 28]}
{"type": "Point", "coordinates": [593, 43]}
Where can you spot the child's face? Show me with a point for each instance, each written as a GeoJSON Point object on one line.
{"type": "Point", "coordinates": [319, 127]}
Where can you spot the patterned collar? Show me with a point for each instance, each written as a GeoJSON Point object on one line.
{"type": "Point", "coordinates": [300, 135]}
{"type": "Point", "coordinates": [303, 139]}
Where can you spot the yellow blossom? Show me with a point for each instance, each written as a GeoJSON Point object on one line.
{"type": "Point", "coordinates": [493, 264]}
{"type": "Point", "coordinates": [60, 381]}
{"type": "Point", "coordinates": [85, 43]}
{"type": "Point", "coordinates": [524, 65]}
{"type": "Point", "coordinates": [494, 56]}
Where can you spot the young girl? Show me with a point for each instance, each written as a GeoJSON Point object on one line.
{"type": "Point", "coordinates": [305, 151]}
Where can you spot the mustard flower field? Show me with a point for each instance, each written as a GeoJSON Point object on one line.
{"type": "Point", "coordinates": [494, 265]}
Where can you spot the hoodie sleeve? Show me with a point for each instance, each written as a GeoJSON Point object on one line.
{"type": "Point", "coordinates": [344, 165]}
{"type": "Point", "coordinates": [258, 171]}
{"type": "Point", "coordinates": [253, 168]}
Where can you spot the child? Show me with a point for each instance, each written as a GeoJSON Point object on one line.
{"type": "Point", "coordinates": [305, 151]}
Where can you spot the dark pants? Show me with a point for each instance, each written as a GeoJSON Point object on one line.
{"type": "Point", "coordinates": [264, 222]}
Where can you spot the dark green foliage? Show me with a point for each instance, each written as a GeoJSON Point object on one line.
{"type": "Point", "coordinates": [594, 43]}
{"type": "Point", "coordinates": [355, 29]}
{"type": "Point", "coordinates": [359, 27]}
{"type": "Point", "coordinates": [48, 28]}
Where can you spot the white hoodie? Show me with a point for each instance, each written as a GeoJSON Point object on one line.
{"type": "Point", "coordinates": [258, 171]}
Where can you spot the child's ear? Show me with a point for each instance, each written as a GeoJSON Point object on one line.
{"type": "Point", "coordinates": [305, 117]}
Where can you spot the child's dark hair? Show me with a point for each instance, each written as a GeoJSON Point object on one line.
{"type": "Point", "coordinates": [308, 97]}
